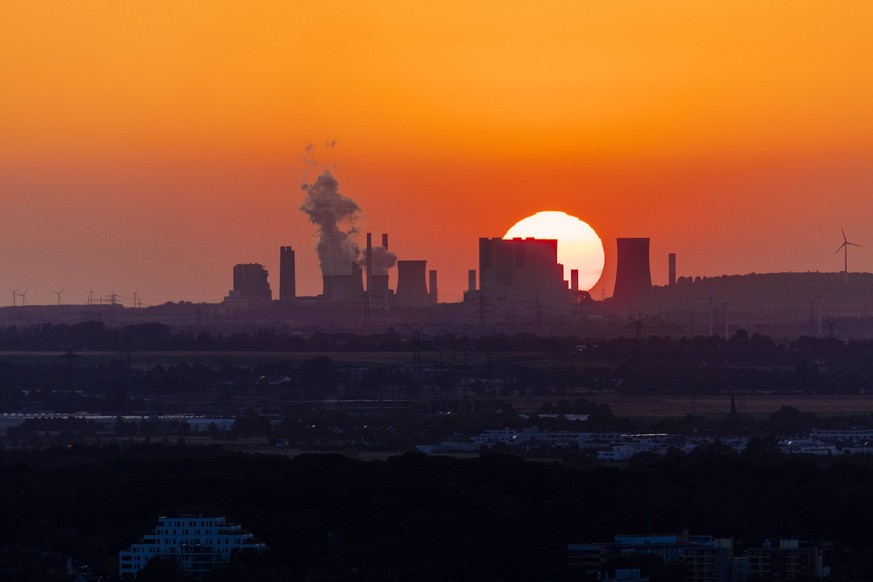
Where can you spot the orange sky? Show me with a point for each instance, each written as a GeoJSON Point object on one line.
{"type": "Point", "coordinates": [150, 146]}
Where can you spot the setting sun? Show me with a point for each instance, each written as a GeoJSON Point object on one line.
{"type": "Point", "coordinates": [579, 247]}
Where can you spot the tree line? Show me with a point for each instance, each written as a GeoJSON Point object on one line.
{"type": "Point", "coordinates": [328, 517]}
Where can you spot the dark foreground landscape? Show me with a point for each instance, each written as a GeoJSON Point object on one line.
{"type": "Point", "coordinates": [414, 517]}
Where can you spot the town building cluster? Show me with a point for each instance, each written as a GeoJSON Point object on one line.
{"type": "Point", "coordinates": [707, 559]}
{"type": "Point", "coordinates": [609, 446]}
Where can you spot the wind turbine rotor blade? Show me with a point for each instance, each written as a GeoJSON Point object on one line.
{"type": "Point", "coordinates": [852, 244]}
{"type": "Point", "coordinates": [839, 249]}
{"type": "Point", "coordinates": [844, 233]}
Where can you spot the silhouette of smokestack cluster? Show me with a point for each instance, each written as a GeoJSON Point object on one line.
{"type": "Point", "coordinates": [378, 260]}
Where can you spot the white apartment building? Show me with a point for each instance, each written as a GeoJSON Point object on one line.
{"type": "Point", "coordinates": [198, 543]}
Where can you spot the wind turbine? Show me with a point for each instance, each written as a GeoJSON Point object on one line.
{"type": "Point", "coordinates": [58, 293]}
{"type": "Point", "coordinates": [24, 296]}
{"type": "Point", "coordinates": [14, 294]}
{"type": "Point", "coordinates": [845, 248]}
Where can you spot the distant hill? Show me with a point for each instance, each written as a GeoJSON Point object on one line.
{"type": "Point", "coordinates": [776, 293]}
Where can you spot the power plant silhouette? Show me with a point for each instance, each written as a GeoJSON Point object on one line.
{"type": "Point", "coordinates": [513, 273]}
{"type": "Point", "coordinates": [519, 284]}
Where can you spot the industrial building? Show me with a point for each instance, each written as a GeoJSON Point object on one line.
{"type": "Point", "coordinates": [522, 271]}
{"type": "Point", "coordinates": [250, 285]}
{"type": "Point", "coordinates": [198, 543]}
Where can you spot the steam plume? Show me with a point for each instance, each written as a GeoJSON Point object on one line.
{"type": "Point", "coordinates": [330, 210]}
{"type": "Point", "coordinates": [383, 259]}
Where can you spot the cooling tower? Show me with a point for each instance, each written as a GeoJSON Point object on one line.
{"type": "Point", "coordinates": [287, 282]}
{"type": "Point", "coordinates": [411, 284]}
{"type": "Point", "coordinates": [671, 269]}
{"type": "Point", "coordinates": [343, 288]}
{"type": "Point", "coordinates": [633, 279]}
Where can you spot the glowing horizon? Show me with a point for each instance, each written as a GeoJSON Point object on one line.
{"type": "Point", "coordinates": [152, 146]}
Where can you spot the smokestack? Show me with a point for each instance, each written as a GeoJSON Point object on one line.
{"type": "Point", "coordinates": [411, 285]}
{"type": "Point", "coordinates": [287, 274]}
{"type": "Point", "coordinates": [671, 268]}
{"type": "Point", "coordinates": [432, 286]}
{"type": "Point", "coordinates": [385, 240]}
{"type": "Point", "coordinates": [369, 260]}
{"type": "Point", "coordinates": [633, 279]}
{"type": "Point", "coordinates": [471, 280]}
{"type": "Point", "coordinates": [574, 280]}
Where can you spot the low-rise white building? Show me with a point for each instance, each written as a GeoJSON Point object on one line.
{"type": "Point", "coordinates": [198, 543]}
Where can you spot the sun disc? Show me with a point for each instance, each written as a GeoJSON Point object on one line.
{"type": "Point", "coordinates": [579, 247]}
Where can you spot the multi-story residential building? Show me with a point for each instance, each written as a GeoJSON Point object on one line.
{"type": "Point", "coordinates": [708, 559]}
{"type": "Point", "coordinates": [198, 543]}
{"type": "Point", "coordinates": [786, 561]}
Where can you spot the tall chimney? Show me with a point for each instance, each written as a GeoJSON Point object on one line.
{"type": "Point", "coordinates": [385, 240]}
{"type": "Point", "coordinates": [671, 260]}
{"type": "Point", "coordinates": [287, 275]}
{"type": "Point", "coordinates": [471, 280]}
{"type": "Point", "coordinates": [369, 259]}
{"type": "Point", "coordinates": [574, 280]}
{"type": "Point", "coordinates": [432, 286]}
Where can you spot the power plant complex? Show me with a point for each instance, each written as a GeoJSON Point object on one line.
{"type": "Point", "coordinates": [519, 284]}
{"type": "Point", "coordinates": [515, 273]}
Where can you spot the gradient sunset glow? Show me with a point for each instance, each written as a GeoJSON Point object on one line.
{"type": "Point", "coordinates": [153, 145]}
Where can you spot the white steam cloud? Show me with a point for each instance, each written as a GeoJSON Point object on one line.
{"type": "Point", "coordinates": [334, 215]}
